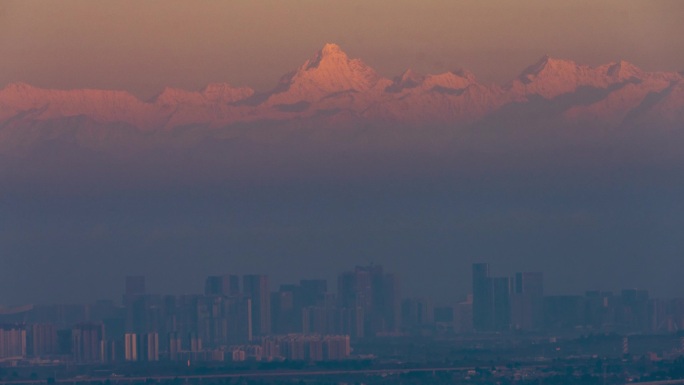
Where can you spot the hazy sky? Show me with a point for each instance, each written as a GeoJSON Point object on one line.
{"type": "Point", "coordinates": [143, 46]}
{"type": "Point", "coordinates": [592, 209]}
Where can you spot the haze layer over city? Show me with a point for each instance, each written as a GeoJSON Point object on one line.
{"type": "Point", "coordinates": [176, 141]}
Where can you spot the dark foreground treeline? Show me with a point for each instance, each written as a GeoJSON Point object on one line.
{"type": "Point", "coordinates": [561, 371]}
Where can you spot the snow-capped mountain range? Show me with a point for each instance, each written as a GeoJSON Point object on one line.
{"type": "Point", "coordinates": [331, 87]}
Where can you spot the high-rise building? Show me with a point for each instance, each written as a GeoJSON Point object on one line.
{"type": "Point", "coordinates": [634, 312]}
{"type": "Point", "coordinates": [464, 316]}
{"type": "Point", "coordinates": [351, 321]}
{"type": "Point", "coordinates": [42, 339]}
{"type": "Point", "coordinates": [527, 301]}
{"type": "Point", "coordinates": [389, 304]}
{"type": "Point", "coordinates": [131, 347]}
{"type": "Point", "coordinates": [64, 341]}
{"type": "Point", "coordinates": [530, 282]}
{"type": "Point", "coordinates": [565, 312]}
{"type": "Point", "coordinates": [285, 311]}
{"type": "Point", "coordinates": [211, 322]}
{"type": "Point", "coordinates": [313, 291]}
{"type": "Point", "coordinates": [483, 302]}
{"type": "Point", "coordinates": [226, 284]}
{"type": "Point", "coordinates": [194, 342]}
{"type": "Point", "coordinates": [445, 318]}
{"type": "Point", "coordinates": [237, 311]}
{"type": "Point", "coordinates": [491, 300]}
{"type": "Point", "coordinates": [376, 294]}
{"type": "Point", "coordinates": [255, 286]}
{"type": "Point", "coordinates": [346, 290]}
{"type": "Point", "coordinates": [136, 304]}
{"type": "Point", "coordinates": [501, 301]}
{"type": "Point", "coordinates": [88, 342]}
{"type": "Point", "coordinates": [175, 346]}
{"type": "Point", "coordinates": [598, 312]}
{"type": "Point", "coordinates": [324, 318]}
{"type": "Point", "coordinates": [336, 347]}
{"type": "Point", "coordinates": [12, 341]}
{"type": "Point", "coordinates": [148, 347]}
{"type": "Point", "coordinates": [416, 313]}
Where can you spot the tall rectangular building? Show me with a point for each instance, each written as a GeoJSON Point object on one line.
{"type": "Point", "coordinates": [346, 290]}
{"type": "Point", "coordinates": [175, 345]}
{"type": "Point", "coordinates": [255, 286]}
{"type": "Point", "coordinates": [376, 293]}
{"type": "Point", "coordinates": [313, 291]}
{"type": "Point", "coordinates": [135, 303]}
{"type": "Point", "coordinates": [634, 315]}
{"type": "Point", "coordinates": [224, 285]}
{"type": "Point", "coordinates": [42, 340]}
{"type": "Point", "coordinates": [527, 301]}
{"type": "Point", "coordinates": [12, 341]}
{"type": "Point", "coordinates": [501, 303]}
{"type": "Point", "coordinates": [286, 316]}
{"type": "Point", "coordinates": [130, 347]}
{"type": "Point", "coordinates": [148, 347]}
{"type": "Point", "coordinates": [416, 313]}
{"type": "Point", "coordinates": [88, 342]}
{"type": "Point", "coordinates": [389, 304]}
{"type": "Point", "coordinates": [530, 282]}
{"type": "Point", "coordinates": [483, 302]}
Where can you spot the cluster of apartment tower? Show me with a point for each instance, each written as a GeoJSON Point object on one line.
{"type": "Point", "coordinates": [519, 303]}
{"type": "Point", "coordinates": [238, 319]}
{"type": "Point", "coordinates": [234, 319]}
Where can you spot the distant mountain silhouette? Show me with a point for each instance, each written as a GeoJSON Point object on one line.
{"type": "Point", "coordinates": [331, 88]}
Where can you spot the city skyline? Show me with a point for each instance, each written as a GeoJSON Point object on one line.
{"type": "Point", "coordinates": [257, 284]}
{"type": "Point", "coordinates": [366, 328]}
{"type": "Point", "coordinates": [342, 191]}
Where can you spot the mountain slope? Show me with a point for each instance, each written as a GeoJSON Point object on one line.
{"type": "Point", "coordinates": [331, 88]}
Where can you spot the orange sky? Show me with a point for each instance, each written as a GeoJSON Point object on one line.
{"type": "Point", "coordinates": [143, 46]}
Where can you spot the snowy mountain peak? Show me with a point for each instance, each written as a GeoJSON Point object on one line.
{"type": "Point", "coordinates": [623, 70]}
{"type": "Point", "coordinates": [329, 54]}
{"type": "Point", "coordinates": [19, 90]}
{"type": "Point", "coordinates": [547, 66]}
{"type": "Point", "coordinates": [451, 80]}
{"type": "Point", "coordinates": [330, 85]}
{"type": "Point", "coordinates": [332, 49]}
{"type": "Point", "coordinates": [551, 77]}
{"type": "Point", "coordinates": [330, 70]}
{"type": "Point", "coordinates": [225, 93]}
{"type": "Point", "coordinates": [170, 96]}
{"type": "Point", "coordinates": [411, 77]}
{"type": "Point", "coordinates": [213, 92]}
{"type": "Point", "coordinates": [465, 74]}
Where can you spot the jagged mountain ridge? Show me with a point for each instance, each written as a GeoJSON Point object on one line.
{"type": "Point", "coordinates": [332, 87]}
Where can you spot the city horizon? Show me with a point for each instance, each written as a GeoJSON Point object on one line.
{"type": "Point", "coordinates": [341, 192]}
{"type": "Point", "coordinates": [245, 318]}
{"type": "Point", "coordinates": [438, 298]}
